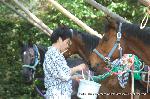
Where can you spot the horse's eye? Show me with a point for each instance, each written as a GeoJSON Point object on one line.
{"type": "Point", "coordinates": [105, 38]}
{"type": "Point", "coordinates": [31, 55]}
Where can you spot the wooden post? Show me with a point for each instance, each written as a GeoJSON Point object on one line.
{"type": "Point", "coordinates": [75, 19]}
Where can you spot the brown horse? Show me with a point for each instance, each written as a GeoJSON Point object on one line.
{"type": "Point", "coordinates": [131, 39]}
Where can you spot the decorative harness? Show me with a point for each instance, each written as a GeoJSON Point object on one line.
{"type": "Point", "coordinates": [115, 69]}
{"type": "Point", "coordinates": [36, 61]}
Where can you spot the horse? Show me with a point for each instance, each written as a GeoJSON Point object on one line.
{"type": "Point", "coordinates": [32, 55]}
{"type": "Point", "coordinates": [120, 38]}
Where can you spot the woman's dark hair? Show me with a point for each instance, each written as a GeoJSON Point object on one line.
{"type": "Point", "coordinates": [61, 31]}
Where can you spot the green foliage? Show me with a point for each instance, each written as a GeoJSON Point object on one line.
{"type": "Point", "coordinates": [14, 29]}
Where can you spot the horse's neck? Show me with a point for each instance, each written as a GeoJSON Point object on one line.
{"type": "Point", "coordinates": [138, 48]}
{"type": "Point", "coordinates": [84, 55]}
{"type": "Point", "coordinates": [42, 52]}
{"type": "Point", "coordinates": [83, 52]}
{"type": "Point", "coordinates": [86, 43]}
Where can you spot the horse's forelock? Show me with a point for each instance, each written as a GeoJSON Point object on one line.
{"type": "Point", "coordinates": [111, 24]}
{"type": "Point", "coordinates": [62, 26]}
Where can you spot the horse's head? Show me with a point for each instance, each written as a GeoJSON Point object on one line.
{"type": "Point", "coordinates": [107, 50]}
{"type": "Point", "coordinates": [29, 55]}
{"type": "Point", "coordinates": [126, 36]}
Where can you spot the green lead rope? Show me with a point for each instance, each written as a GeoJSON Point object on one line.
{"type": "Point", "coordinates": [104, 76]}
{"type": "Point", "coordinates": [100, 77]}
{"type": "Point", "coordinates": [137, 67]}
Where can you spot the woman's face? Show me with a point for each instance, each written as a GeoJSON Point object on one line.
{"type": "Point", "coordinates": [65, 44]}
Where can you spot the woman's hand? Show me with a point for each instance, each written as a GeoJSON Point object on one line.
{"type": "Point", "coordinates": [77, 77]}
{"type": "Point", "coordinates": [81, 67]}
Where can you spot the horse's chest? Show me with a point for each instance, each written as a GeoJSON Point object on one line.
{"type": "Point", "coordinates": [111, 82]}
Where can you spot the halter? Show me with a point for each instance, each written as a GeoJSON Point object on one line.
{"type": "Point", "coordinates": [117, 44]}
{"type": "Point", "coordinates": [36, 61]}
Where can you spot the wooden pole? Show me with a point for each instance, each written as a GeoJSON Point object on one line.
{"type": "Point", "coordinates": [26, 18]}
{"type": "Point", "coordinates": [106, 11]}
{"type": "Point", "coordinates": [75, 19]}
{"type": "Point", "coordinates": [33, 17]}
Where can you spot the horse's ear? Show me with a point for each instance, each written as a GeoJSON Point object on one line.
{"type": "Point", "coordinates": [111, 23]}
{"type": "Point", "coordinates": [62, 25]}
{"type": "Point", "coordinates": [30, 43]}
{"type": "Point", "coordinates": [107, 18]}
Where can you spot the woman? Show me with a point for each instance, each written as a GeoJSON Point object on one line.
{"type": "Point", "coordinates": [58, 79]}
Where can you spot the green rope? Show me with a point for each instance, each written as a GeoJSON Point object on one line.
{"type": "Point", "coordinates": [100, 77]}
{"type": "Point", "coordinates": [105, 75]}
{"type": "Point", "coordinates": [137, 67]}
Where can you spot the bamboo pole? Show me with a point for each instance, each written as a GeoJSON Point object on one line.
{"type": "Point", "coordinates": [75, 19]}
{"type": "Point", "coordinates": [145, 2]}
{"type": "Point", "coordinates": [26, 18]}
{"type": "Point", "coordinates": [33, 17]}
{"type": "Point", "coordinates": [106, 11]}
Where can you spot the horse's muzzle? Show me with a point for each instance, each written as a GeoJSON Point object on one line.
{"type": "Point", "coordinates": [27, 74]}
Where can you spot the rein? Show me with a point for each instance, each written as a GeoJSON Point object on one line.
{"type": "Point", "coordinates": [36, 61]}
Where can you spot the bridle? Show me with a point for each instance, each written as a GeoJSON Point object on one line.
{"type": "Point", "coordinates": [116, 45]}
{"type": "Point", "coordinates": [36, 59]}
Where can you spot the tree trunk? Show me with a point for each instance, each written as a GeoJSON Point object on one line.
{"type": "Point", "coordinates": [106, 11]}
{"type": "Point", "coordinates": [75, 19]}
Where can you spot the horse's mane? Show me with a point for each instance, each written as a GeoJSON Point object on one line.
{"type": "Point", "coordinates": [42, 51]}
{"type": "Point", "coordinates": [90, 41]}
{"type": "Point", "coordinates": [130, 30]}
{"type": "Point", "coordinates": [135, 31]}
{"type": "Point", "coordinates": [42, 48]}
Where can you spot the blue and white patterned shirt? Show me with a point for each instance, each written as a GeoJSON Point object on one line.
{"type": "Point", "coordinates": [57, 75]}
